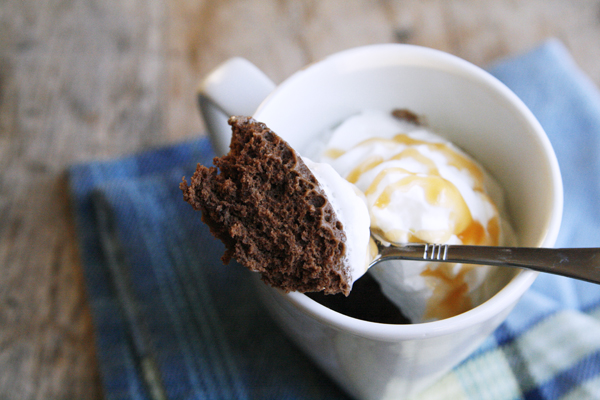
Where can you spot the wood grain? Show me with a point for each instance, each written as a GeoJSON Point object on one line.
{"type": "Point", "coordinates": [94, 79]}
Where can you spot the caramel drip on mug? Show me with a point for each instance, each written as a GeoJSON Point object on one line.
{"type": "Point", "coordinates": [450, 293]}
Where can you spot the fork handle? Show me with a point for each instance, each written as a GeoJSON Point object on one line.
{"type": "Point", "coordinates": [578, 263]}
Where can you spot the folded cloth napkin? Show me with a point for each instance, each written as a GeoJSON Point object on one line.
{"type": "Point", "coordinates": [173, 323]}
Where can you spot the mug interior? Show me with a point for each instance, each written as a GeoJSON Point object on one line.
{"type": "Point", "coordinates": [459, 101]}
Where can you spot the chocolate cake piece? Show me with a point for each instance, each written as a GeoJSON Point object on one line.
{"type": "Point", "coordinates": [406, 115]}
{"type": "Point", "coordinates": [266, 206]}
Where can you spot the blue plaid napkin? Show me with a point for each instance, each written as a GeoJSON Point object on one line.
{"type": "Point", "coordinates": [173, 323]}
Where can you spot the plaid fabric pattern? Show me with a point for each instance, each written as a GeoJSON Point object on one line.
{"type": "Point", "coordinates": [173, 323]}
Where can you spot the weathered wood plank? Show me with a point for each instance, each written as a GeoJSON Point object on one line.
{"type": "Point", "coordinates": [80, 80]}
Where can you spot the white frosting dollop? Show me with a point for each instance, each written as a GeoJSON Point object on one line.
{"type": "Point", "coordinates": [351, 210]}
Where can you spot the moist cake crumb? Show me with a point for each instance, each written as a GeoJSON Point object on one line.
{"type": "Point", "coordinates": [266, 206]}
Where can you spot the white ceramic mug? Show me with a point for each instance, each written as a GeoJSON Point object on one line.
{"type": "Point", "coordinates": [459, 101]}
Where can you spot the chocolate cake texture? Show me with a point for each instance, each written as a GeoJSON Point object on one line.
{"type": "Point", "coordinates": [265, 205]}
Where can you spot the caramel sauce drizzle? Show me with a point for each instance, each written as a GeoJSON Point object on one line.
{"type": "Point", "coordinates": [438, 191]}
{"type": "Point", "coordinates": [450, 291]}
{"type": "Point", "coordinates": [367, 165]}
{"type": "Point", "coordinates": [333, 153]}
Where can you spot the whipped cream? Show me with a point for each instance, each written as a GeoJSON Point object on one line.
{"type": "Point", "coordinates": [419, 187]}
{"type": "Point", "coordinates": [350, 207]}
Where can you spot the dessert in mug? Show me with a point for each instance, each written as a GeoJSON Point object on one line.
{"type": "Point", "coordinates": [421, 188]}
{"type": "Point", "coordinates": [305, 228]}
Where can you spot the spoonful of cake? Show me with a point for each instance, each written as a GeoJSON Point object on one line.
{"type": "Point", "coordinates": [281, 216]}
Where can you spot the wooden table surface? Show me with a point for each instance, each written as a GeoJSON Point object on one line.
{"type": "Point", "coordinates": [95, 79]}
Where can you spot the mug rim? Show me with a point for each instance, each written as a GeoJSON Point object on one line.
{"type": "Point", "coordinates": [506, 297]}
{"type": "Point", "coordinates": [516, 287]}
